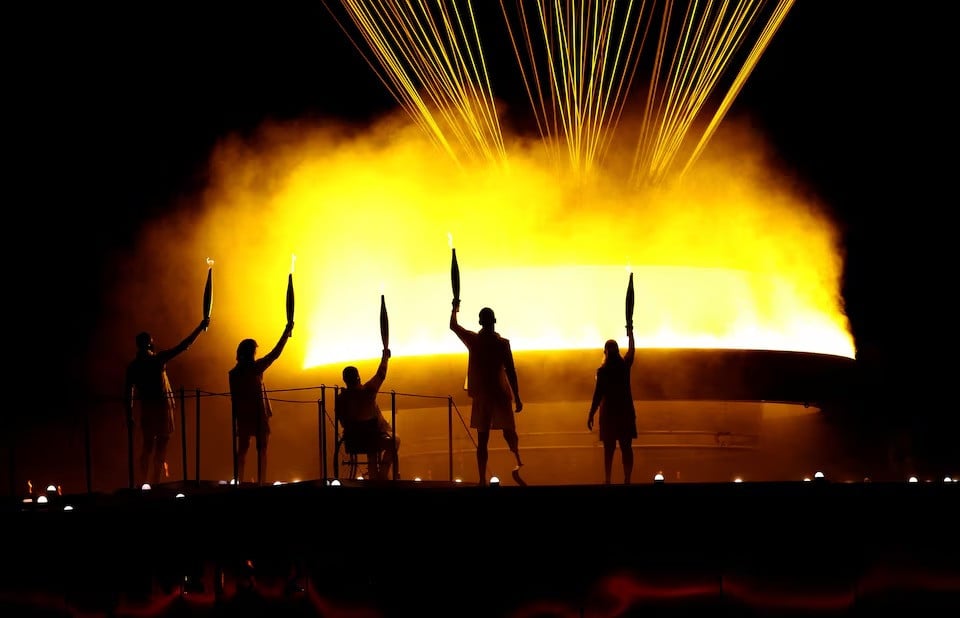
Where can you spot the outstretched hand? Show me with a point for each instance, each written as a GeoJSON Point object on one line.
{"type": "Point", "coordinates": [519, 406]}
{"type": "Point", "coordinates": [204, 324]}
{"type": "Point", "coordinates": [289, 328]}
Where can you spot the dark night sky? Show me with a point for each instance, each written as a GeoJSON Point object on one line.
{"type": "Point", "coordinates": [114, 111]}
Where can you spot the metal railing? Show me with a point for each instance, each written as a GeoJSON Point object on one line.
{"type": "Point", "coordinates": [195, 400]}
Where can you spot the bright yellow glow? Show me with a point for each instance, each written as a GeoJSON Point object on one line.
{"type": "Point", "coordinates": [732, 257]}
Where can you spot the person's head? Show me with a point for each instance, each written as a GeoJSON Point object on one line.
{"type": "Point", "coordinates": [144, 341]}
{"type": "Point", "coordinates": [611, 350]}
{"type": "Point", "coordinates": [487, 318]}
{"type": "Point", "coordinates": [247, 350]}
{"type": "Point", "coordinates": [351, 376]}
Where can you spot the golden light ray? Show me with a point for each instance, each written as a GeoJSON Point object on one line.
{"type": "Point", "coordinates": [578, 61]}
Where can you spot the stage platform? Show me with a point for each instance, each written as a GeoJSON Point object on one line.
{"type": "Point", "coordinates": [408, 548]}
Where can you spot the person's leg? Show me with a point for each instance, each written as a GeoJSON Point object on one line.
{"type": "Point", "coordinates": [146, 454]}
{"type": "Point", "coordinates": [608, 447]}
{"type": "Point", "coordinates": [161, 470]}
{"type": "Point", "coordinates": [388, 449]}
{"type": "Point", "coordinates": [513, 443]}
{"type": "Point", "coordinates": [262, 440]}
{"type": "Point", "coordinates": [626, 455]}
{"type": "Point", "coordinates": [243, 445]}
{"type": "Point", "coordinates": [483, 438]}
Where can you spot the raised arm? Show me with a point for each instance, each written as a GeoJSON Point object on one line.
{"type": "Point", "coordinates": [631, 348]}
{"type": "Point", "coordinates": [461, 332]}
{"type": "Point", "coordinates": [377, 380]}
{"type": "Point", "coordinates": [166, 355]}
{"type": "Point", "coordinates": [274, 354]}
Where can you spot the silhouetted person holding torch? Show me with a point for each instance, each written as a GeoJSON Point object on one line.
{"type": "Point", "coordinates": [249, 401]}
{"type": "Point", "coordinates": [613, 397]}
{"type": "Point", "coordinates": [147, 381]}
{"type": "Point", "coordinates": [365, 430]}
{"type": "Point", "coordinates": [491, 384]}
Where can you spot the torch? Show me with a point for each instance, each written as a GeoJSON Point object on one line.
{"type": "Point", "coordinates": [208, 292]}
{"type": "Point", "coordinates": [384, 323]}
{"type": "Point", "coordinates": [629, 303]}
{"type": "Point", "coordinates": [454, 275]}
{"type": "Point", "coordinates": [293, 261]}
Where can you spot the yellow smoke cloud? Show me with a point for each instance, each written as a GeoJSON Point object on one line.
{"type": "Point", "coordinates": [735, 256]}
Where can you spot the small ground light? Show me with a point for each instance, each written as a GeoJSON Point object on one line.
{"type": "Point", "coordinates": [913, 479]}
{"type": "Point", "coordinates": [738, 480]}
{"type": "Point", "coordinates": [146, 487]}
{"type": "Point", "coordinates": [806, 479]}
{"type": "Point", "coordinates": [68, 508]}
{"type": "Point", "coordinates": [41, 499]}
{"type": "Point", "coordinates": [180, 496]}
{"type": "Point", "coordinates": [818, 475]}
{"type": "Point", "coordinates": [52, 489]}
{"type": "Point", "coordinates": [494, 480]}
{"type": "Point", "coordinates": [947, 479]}
{"type": "Point", "coordinates": [658, 478]}
{"type": "Point", "coordinates": [416, 479]}
{"type": "Point", "coordinates": [458, 480]}
{"type": "Point", "coordinates": [335, 483]}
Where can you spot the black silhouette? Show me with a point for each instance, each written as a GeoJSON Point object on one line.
{"type": "Point", "coordinates": [613, 397]}
{"type": "Point", "coordinates": [492, 386]}
{"type": "Point", "coordinates": [147, 381]}
{"type": "Point", "coordinates": [249, 401]}
{"type": "Point", "coordinates": [365, 430]}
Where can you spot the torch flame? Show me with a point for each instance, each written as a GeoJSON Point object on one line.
{"type": "Point", "coordinates": [293, 262]}
{"type": "Point", "coordinates": [210, 262]}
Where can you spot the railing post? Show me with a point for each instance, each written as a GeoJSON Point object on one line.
{"type": "Point", "coordinates": [197, 439]}
{"type": "Point", "coordinates": [393, 429]}
{"type": "Point", "coordinates": [183, 431]}
{"type": "Point", "coordinates": [12, 437]}
{"type": "Point", "coordinates": [88, 462]}
{"type": "Point", "coordinates": [336, 436]}
{"type": "Point", "coordinates": [233, 442]}
{"type": "Point", "coordinates": [321, 421]}
{"type": "Point", "coordinates": [130, 449]}
{"type": "Point", "coordinates": [450, 434]}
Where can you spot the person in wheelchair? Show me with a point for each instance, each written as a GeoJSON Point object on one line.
{"type": "Point", "coordinates": [365, 430]}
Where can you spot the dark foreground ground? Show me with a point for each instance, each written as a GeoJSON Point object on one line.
{"type": "Point", "coordinates": [437, 549]}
